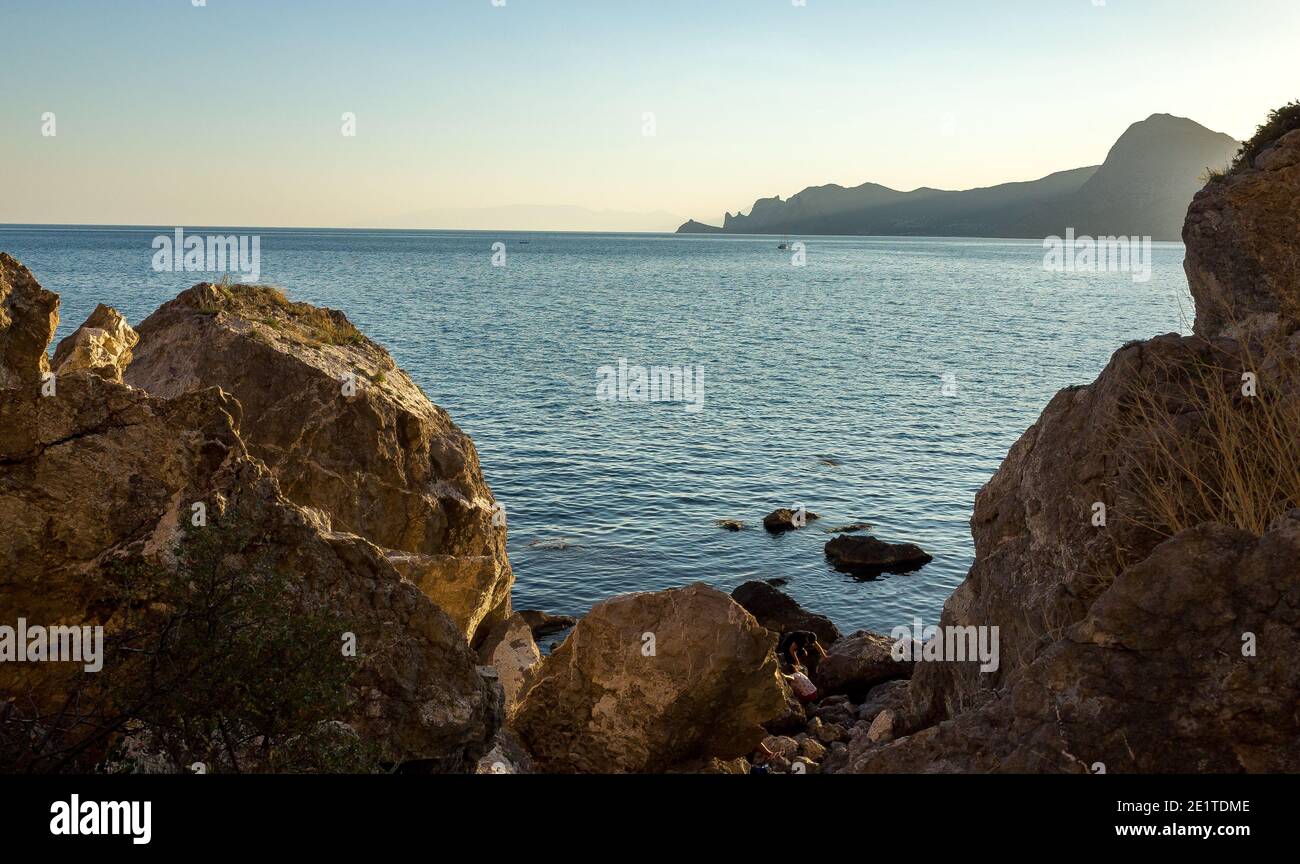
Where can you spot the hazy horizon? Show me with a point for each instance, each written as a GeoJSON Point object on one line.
{"type": "Point", "coordinates": [466, 113]}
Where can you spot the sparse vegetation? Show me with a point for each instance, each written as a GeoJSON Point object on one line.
{"type": "Point", "coordinates": [215, 662]}
{"type": "Point", "coordinates": [1280, 121]}
{"type": "Point", "coordinates": [1216, 439]}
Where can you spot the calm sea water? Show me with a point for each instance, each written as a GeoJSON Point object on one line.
{"type": "Point", "coordinates": [823, 384]}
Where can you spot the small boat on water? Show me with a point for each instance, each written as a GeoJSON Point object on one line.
{"type": "Point", "coordinates": [785, 242]}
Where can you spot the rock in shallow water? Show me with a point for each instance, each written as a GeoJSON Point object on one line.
{"type": "Point", "coordinates": [779, 612]}
{"type": "Point", "coordinates": [868, 555]}
{"type": "Point", "coordinates": [784, 519]}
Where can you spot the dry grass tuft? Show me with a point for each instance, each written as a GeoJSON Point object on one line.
{"type": "Point", "coordinates": [1204, 448]}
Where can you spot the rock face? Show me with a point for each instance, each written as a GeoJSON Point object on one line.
{"type": "Point", "coordinates": [29, 315]}
{"type": "Point", "coordinates": [511, 651]}
{"type": "Point", "coordinates": [857, 663]}
{"type": "Point", "coordinates": [382, 462]}
{"type": "Point", "coordinates": [1143, 580]}
{"type": "Point", "coordinates": [102, 345]}
{"type": "Point", "coordinates": [780, 613]}
{"type": "Point", "coordinates": [100, 474]}
{"type": "Point", "coordinates": [1242, 258]}
{"type": "Point", "coordinates": [866, 554]}
{"type": "Point", "coordinates": [1154, 679]}
{"type": "Point", "coordinates": [647, 682]}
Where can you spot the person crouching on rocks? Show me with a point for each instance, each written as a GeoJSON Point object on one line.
{"type": "Point", "coordinates": [800, 650]}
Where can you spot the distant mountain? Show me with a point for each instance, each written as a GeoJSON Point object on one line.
{"type": "Point", "coordinates": [1143, 188]}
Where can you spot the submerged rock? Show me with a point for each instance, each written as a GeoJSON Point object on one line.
{"type": "Point", "coordinates": [730, 524]}
{"type": "Point", "coordinates": [784, 519]}
{"type": "Point", "coordinates": [850, 528]}
{"type": "Point", "coordinates": [779, 612]}
{"type": "Point", "coordinates": [346, 433]}
{"type": "Point", "coordinates": [649, 681]}
{"type": "Point", "coordinates": [868, 555]}
{"type": "Point", "coordinates": [546, 624]}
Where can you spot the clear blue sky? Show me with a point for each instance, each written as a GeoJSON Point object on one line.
{"type": "Point", "coordinates": [231, 113]}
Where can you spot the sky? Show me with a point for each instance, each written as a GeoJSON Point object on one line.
{"type": "Point", "coordinates": [599, 114]}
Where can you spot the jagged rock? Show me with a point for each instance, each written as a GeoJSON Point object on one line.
{"type": "Point", "coordinates": [345, 432]}
{"type": "Point", "coordinates": [510, 650]}
{"type": "Point", "coordinates": [779, 612]}
{"type": "Point", "coordinates": [865, 554]}
{"type": "Point", "coordinates": [842, 713]}
{"type": "Point", "coordinates": [857, 663]}
{"type": "Point", "coordinates": [881, 729]}
{"type": "Point", "coordinates": [826, 733]}
{"type": "Point", "coordinates": [101, 472]}
{"type": "Point", "coordinates": [102, 346]}
{"type": "Point", "coordinates": [647, 681]}
{"type": "Point", "coordinates": [1155, 678]}
{"type": "Point", "coordinates": [714, 765]}
{"type": "Point", "coordinates": [784, 519]}
{"type": "Point", "coordinates": [545, 624]}
{"type": "Point", "coordinates": [811, 748]}
{"type": "Point", "coordinates": [29, 315]}
{"type": "Point", "coordinates": [507, 756]}
{"type": "Point", "coordinates": [891, 696]}
{"type": "Point", "coordinates": [1241, 241]}
{"type": "Point", "coordinates": [782, 745]}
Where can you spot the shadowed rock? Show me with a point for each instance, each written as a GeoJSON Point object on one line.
{"type": "Point", "coordinates": [784, 519]}
{"type": "Point", "coordinates": [779, 612]}
{"type": "Point", "coordinates": [857, 663]}
{"type": "Point", "coordinates": [29, 315]}
{"type": "Point", "coordinates": [868, 555]}
{"type": "Point", "coordinates": [102, 473]}
{"type": "Point", "coordinates": [1243, 258]}
{"type": "Point", "coordinates": [648, 681]}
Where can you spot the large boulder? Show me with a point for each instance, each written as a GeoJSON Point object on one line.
{"type": "Point", "coordinates": [1184, 664]}
{"type": "Point", "coordinates": [346, 433]}
{"type": "Point", "coordinates": [29, 315]}
{"type": "Point", "coordinates": [101, 346]}
{"type": "Point", "coordinates": [1241, 243]}
{"type": "Point", "coordinates": [650, 681]}
{"type": "Point", "coordinates": [779, 612]}
{"type": "Point", "coordinates": [106, 489]}
{"type": "Point", "coordinates": [857, 663]}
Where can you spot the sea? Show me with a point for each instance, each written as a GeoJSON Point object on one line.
{"type": "Point", "coordinates": [865, 379]}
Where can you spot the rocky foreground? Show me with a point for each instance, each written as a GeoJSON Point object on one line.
{"type": "Point", "coordinates": [259, 477]}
